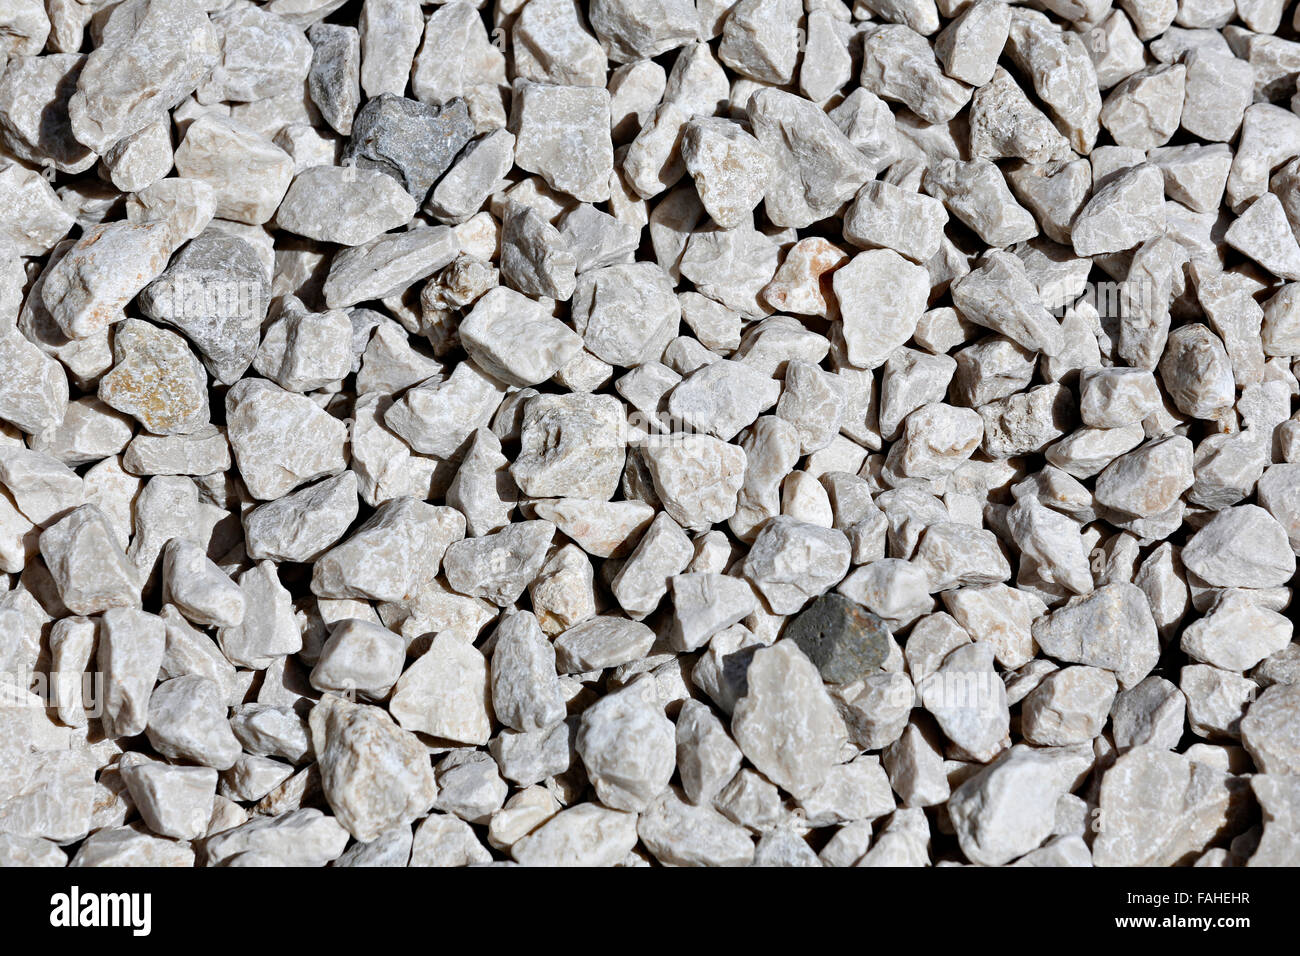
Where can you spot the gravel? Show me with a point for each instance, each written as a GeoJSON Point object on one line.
{"type": "Point", "coordinates": [626, 433]}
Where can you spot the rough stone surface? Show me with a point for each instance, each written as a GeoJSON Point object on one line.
{"type": "Point", "coordinates": [649, 433]}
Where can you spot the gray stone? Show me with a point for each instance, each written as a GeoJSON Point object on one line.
{"type": "Point", "coordinates": [843, 640]}
{"type": "Point", "coordinates": [410, 141]}
{"type": "Point", "coordinates": [334, 81]}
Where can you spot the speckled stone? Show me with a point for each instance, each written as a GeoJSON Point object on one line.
{"type": "Point", "coordinates": [843, 639]}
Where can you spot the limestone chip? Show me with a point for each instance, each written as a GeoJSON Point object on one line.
{"type": "Point", "coordinates": [374, 774]}
{"type": "Point", "coordinates": [785, 723]}
{"type": "Point", "coordinates": [628, 748]}
{"type": "Point", "coordinates": [151, 55]}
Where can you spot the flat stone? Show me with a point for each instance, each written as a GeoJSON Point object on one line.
{"type": "Point", "coordinates": [1159, 808]}
{"type": "Point", "coordinates": [349, 205]}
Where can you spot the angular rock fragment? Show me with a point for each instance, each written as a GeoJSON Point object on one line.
{"type": "Point", "coordinates": [601, 642]}
{"type": "Point", "coordinates": [268, 630]}
{"type": "Point", "coordinates": [392, 554]}
{"type": "Point", "coordinates": [497, 567]}
{"type": "Point", "coordinates": [151, 55]}
{"type": "Point", "coordinates": [333, 79]}
{"type": "Point", "coordinates": [248, 173]}
{"type": "Point", "coordinates": [814, 166]}
{"type": "Point", "coordinates": [156, 379]}
{"type": "Point", "coordinates": [898, 64]}
{"type": "Point", "coordinates": [129, 653]}
{"type": "Point", "coordinates": [786, 724]}
{"type": "Point", "coordinates": [349, 205]}
{"type": "Point", "coordinates": [1111, 628]}
{"type": "Point", "coordinates": [410, 141]}
{"type": "Point", "coordinates": [374, 774]}
{"type": "Point", "coordinates": [969, 701]}
{"type": "Point", "coordinates": [387, 266]}
{"type": "Point", "coordinates": [89, 288]}
{"type": "Point", "coordinates": [1241, 547]}
{"type": "Point", "coordinates": [445, 693]}
{"type": "Point", "coordinates": [562, 134]}
{"type": "Point", "coordinates": [216, 293]}
{"type": "Point", "coordinates": [88, 566]}
{"type": "Point", "coordinates": [259, 415]}
{"type": "Point", "coordinates": [998, 295]}
{"type": "Point", "coordinates": [1126, 211]}
{"type": "Point", "coordinates": [976, 193]}
{"type": "Point", "coordinates": [1158, 808]}
{"type": "Point", "coordinates": [844, 641]}
{"type": "Point", "coordinates": [881, 298]}
{"type": "Point", "coordinates": [1009, 807]}
{"type": "Point", "coordinates": [628, 748]}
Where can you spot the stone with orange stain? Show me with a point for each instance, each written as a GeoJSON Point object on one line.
{"type": "Point", "coordinates": [156, 379]}
{"type": "Point", "coordinates": [802, 284]}
{"type": "Point", "coordinates": [729, 166]}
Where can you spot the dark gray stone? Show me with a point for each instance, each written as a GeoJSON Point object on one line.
{"type": "Point", "coordinates": [411, 141]}
{"type": "Point", "coordinates": [334, 81]}
{"type": "Point", "coordinates": [735, 672]}
{"type": "Point", "coordinates": [216, 293]}
{"type": "Point", "coordinates": [843, 639]}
